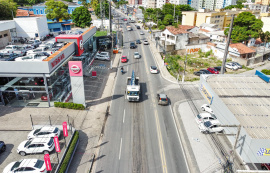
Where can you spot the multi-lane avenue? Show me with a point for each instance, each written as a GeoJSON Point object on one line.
{"type": "Point", "coordinates": [140, 136]}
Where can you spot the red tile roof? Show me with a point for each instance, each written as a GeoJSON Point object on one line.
{"type": "Point", "coordinates": [204, 30]}
{"type": "Point", "coordinates": [180, 30]}
{"type": "Point", "coordinates": [211, 44]}
{"type": "Point", "coordinates": [25, 13]}
{"type": "Point", "coordinates": [242, 49]}
{"type": "Point", "coordinates": [258, 41]}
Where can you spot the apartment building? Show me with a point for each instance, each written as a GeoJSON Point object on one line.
{"type": "Point", "coordinates": [220, 17]}
{"type": "Point", "coordinates": [263, 2]}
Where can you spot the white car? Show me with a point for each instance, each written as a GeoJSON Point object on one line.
{"type": "Point", "coordinates": [206, 108]}
{"type": "Point", "coordinates": [231, 66]}
{"type": "Point", "coordinates": [137, 55]}
{"type": "Point", "coordinates": [202, 117]}
{"type": "Point", "coordinates": [210, 126]}
{"type": "Point", "coordinates": [36, 145]}
{"type": "Point", "coordinates": [103, 56]}
{"type": "Point", "coordinates": [145, 42]}
{"type": "Point", "coordinates": [40, 49]}
{"type": "Point", "coordinates": [46, 131]}
{"type": "Point", "coordinates": [153, 69]}
{"type": "Point", "coordinates": [237, 64]}
{"type": "Point", "coordinates": [9, 49]}
{"type": "Point", "coordinates": [141, 33]}
{"type": "Point", "coordinates": [26, 166]}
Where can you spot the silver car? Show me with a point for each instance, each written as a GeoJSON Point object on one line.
{"type": "Point", "coordinates": [137, 55]}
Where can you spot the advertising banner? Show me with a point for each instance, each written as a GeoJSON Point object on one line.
{"type": "Point", "coordinates": [56, 143]}
{"type": "Point", "coordinates": [65, 130]}
{"type": "Point", "coordinates": [47, 161]}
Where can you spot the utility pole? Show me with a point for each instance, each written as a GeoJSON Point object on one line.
{"type": "Point", "coordinates": [101, 16]}
{"type": "Point", "coordinates": [110, 17]}
{"type": "Point", "coordinates": [227, 47]}
{"type": "Point", "coordinates": [183, 78]}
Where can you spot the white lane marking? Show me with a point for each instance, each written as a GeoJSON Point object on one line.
{"type": "Point", "coordinates": [124, 116]}
{"type": "Point", "coordinates": [127, 68]}
{"type": "Point", "coordinates": [179, 139]}
{"type": "Point", "coordinates": [120, 149]}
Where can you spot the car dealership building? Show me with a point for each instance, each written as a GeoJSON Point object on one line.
{"type": "Point", "coordinates": [242, 100]}
{"type": "Point", "coordinates": [40, 83]}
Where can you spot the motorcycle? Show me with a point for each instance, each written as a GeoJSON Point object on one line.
{"type": "Point", "coordinates": [122, 70]}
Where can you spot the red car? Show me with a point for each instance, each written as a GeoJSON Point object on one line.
{"type": "Point", "coordinates": [124, 59]}
{"type": "Point", "coordinates": [125, 19]}
{"type": "Point", "coordinates": [213, 70]}
{"type": "Point", "coordinates": [265, 166]}
{"type": "Point", "coordinates": [44, 97]}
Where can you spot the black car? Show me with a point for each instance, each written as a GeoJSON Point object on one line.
{"type": "Point", "coordinates": [198, 73]}
{"type": "Point", "coordinates": [138, 42]}
{"type": "Point", "coordinates": [218, 68]}
{"type": "Point", "coordinates": [138, 27]}
{"type": "Point", "coordinates": [2, 146]}
{"type": "Point", "coordinates": [133, 45]}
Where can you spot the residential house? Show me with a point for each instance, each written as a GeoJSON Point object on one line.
{"type": "Point", "coordinates": [25, 13]}
{"type": "Point", "coordinates": [39, 9]}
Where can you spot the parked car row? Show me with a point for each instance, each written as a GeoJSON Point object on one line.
{"type": "Point", "coordinates": [38, 141]}
{"type": "Point", "coordinates": [207, 121]}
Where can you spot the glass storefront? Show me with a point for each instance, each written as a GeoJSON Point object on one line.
{"type": "Point", "coordinates": [31, 91]}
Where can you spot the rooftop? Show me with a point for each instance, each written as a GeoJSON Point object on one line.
{"type": "Point", "coordinates": [242, 49]}
{"type": "Point", "coordinates": [247, 97]}
{"type": "Point", "coordinates": [65, 2]}
{"type": "Point", "coordinates": [181, 29]}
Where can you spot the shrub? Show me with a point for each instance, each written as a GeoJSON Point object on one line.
{"type": "Point", "coordinates": [70, 150]}
{"type": "Point", "coordinates": [69, 105]}
{"type": "Point", "coordinates": [161, 27]}
{"type": "Point", "coordinates": [265, 71]}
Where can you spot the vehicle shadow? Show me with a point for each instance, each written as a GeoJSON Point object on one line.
{"type": "Point", "coordinates": [106, 99]}
{"type": "Point", "coordinates": [6, 153]}
{"type": "Point", "coordinates": [143, 96]}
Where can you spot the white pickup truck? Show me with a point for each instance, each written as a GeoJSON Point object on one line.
{"type": "Point", "coordinates": [22, 49]}
{"type": "Point", "coordinates": [9, 49]}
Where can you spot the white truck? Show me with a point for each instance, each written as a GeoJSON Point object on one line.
{"type": "Point", "coordinates": [133, 88]}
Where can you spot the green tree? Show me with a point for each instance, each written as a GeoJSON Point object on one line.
{"type": "Point", "coordinates": [7, 7]}
{"type": "Point", "coordinates": [168, 19]}
{"type": "Point", "coordinates": [84, 3]}
{"type": "Point", "coordinates": [56, 10]}
{"type": "Point", "coordinates": [81, 17]}
{"type": "Point", "coordinates": [94, 4]}
{"type": "Point", "coordinates": [105, 7]}
{"type": "Point", "coordinates": [245, 26]}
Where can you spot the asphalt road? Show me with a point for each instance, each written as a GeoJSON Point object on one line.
{"type": "Point", "coordinates": [140, 136]}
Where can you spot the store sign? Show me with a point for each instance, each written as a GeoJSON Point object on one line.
{"type": "Point", "coordinates": [56, 143]}
{"type": "Point", "coordinates": [58, 60]}
{"type": "Point", "coordinates": [264, 152]}
{"type": "Point", "coordinates": [65, 130]}
{"type": "Point", "coordinates": [47, 161]}
{"type": "Point", "coordinates": [75, 68]}
{"type": "Point", "coordinates": [206, 94]}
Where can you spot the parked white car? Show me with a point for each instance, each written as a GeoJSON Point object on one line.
{"type": "Point", "coordinates": [202, 117]}
{"type": "Point", "coordinates": [237, 64]}
{"type": "Point", "coordinates": [40, 49]}
{"type": "Point", "coordinates": [9, 49]}
{"type": "Point", "coordinates": [26, 166]}
{"type": "Point", "coordinates": [231, 66]}
{"type": "Point", "coordinates": [206, 108]}
{"type": "Point", "coordinates": [153, 69]}
{"type": "Point", "coordinates": [22, 49]}
{"type": "Point", "coordinates": [210, 126]}
{"type": "Point", "coordinates": [34, 43]}
{"type": "Point", "coordinates": [103, 56]}
{"type": "Point", "coordinates": [36, 145]}
{"type": "Point", "coordinates": [46, 131]}
{"type": "Point", "coordinates": [137, 55]}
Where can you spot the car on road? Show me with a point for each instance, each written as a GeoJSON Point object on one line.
{"type": "Point", "coordinates": [124, 19]}
{"type": "Point", "coordinates": [103, 56]}
{"type": "Point", "coordinates": [141, 33]}
{"type": "Point", "coordinates": [231, 66]}
{"type": "Point", "coordinates": [206, 108]}
{"type": "Point", "coordinates": [210, 126]}
{"type": "Point", "coordinates": [2, 146]}
{"type": "Point", "coordinates": [202, 117]}
{"type": "Point", "coordinates": [153, 69]}
{"type": "Point", "coordinates": [213, 70]}
{"type": "Point", "coordinates": [145, 42]}
{"type": "Point", "coordinates": [133, 45]}
{"type": "Point", "coordinates": [138, 42]}
{"type": "Point", "coordinates": [237, 64]}
{"type": "Point", "coordinates": [198, 73]}
{"type": "Point", "coordinates": [137, 55]}
{"type": "Point", "coordinates": [26, 166]}
{"type": "Point", "coordinates": [162, 99]}
{"type": "Point", "coordinates": [265, 166]}
{"type": "Point", "coordinates": [36, 145]}
{"type": "Point", "coordinates": [124, 59]}
{"type": "Point", "coordinates": [44, 132]}
{"type": "Point", "coordinates": [218, 68]}
{"type": "Point", "coordinates": [138, 27]}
